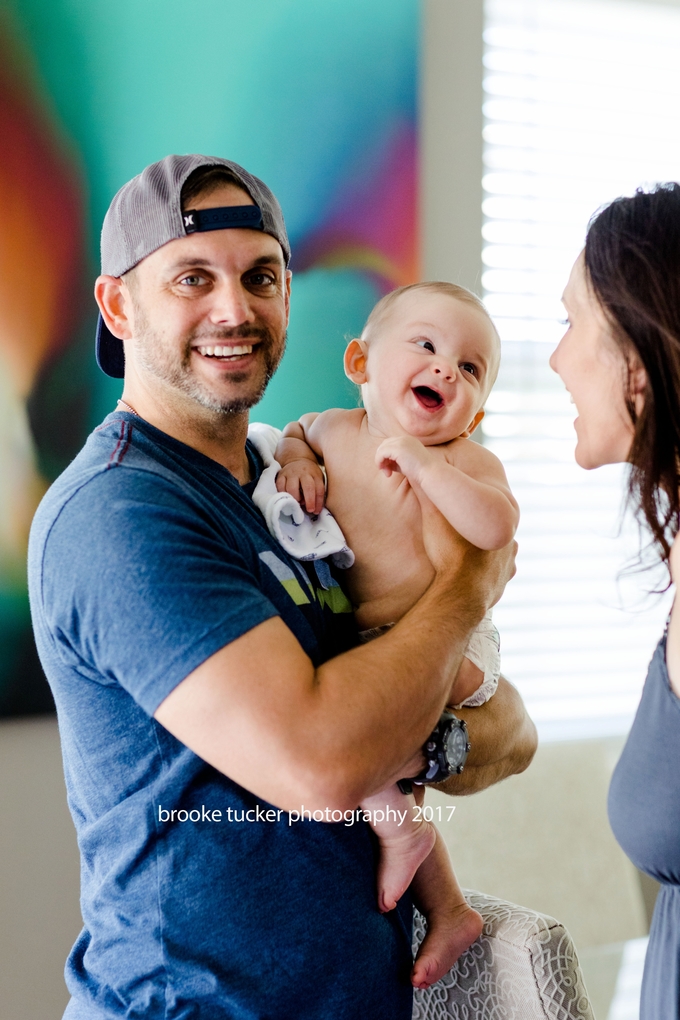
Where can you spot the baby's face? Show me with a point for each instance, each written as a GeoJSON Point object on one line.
{"type": "Point", "coordinates": [430, 365]}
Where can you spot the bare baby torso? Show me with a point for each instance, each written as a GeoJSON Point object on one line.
{"type": "Point", "coordinates": [381, 520]}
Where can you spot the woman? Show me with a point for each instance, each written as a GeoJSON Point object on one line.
{"type": "Point", "coordinates": [620, 361]}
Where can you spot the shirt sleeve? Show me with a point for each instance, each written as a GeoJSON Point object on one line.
{"type": "Point", "coordinates": [140, 585]}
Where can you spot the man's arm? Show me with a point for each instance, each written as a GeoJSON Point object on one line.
{"type": "Point", "coordinates": [503, 740]}
{"type": "Point", "coordinates": [261, 713]}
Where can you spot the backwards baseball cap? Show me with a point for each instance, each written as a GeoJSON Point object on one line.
{"type": "Point", "coordinates": [147, 213]}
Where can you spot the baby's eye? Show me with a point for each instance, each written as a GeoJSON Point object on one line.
{"type": "Point", "coordinates": [427, 345]}
{"type": "Point", "coordinates": [467, 367]}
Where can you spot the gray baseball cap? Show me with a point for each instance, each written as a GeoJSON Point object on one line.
{"type": "Point", "coordinates": [147, 213]}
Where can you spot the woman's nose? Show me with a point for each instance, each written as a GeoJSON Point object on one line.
{"type": "Point", "coordinates": [552, 360]}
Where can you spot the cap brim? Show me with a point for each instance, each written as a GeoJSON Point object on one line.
{"type": "Point", "coordinates": [109, 352]}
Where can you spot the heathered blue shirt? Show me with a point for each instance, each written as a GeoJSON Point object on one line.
{"type": "Point", "coordinates": [644, 811]}
{"type": "Point", "coordinates": [146, 558]}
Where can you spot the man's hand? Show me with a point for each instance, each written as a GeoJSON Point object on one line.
{"type": "Point", "coordinates": [503, 741]}
{"type": "Point", "coordinates": [456, 561]}
{"type": "Point", "coordinates": [304, 481]}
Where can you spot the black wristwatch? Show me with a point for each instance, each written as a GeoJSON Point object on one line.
{"type": "Point", "coordinates": [446, 751]}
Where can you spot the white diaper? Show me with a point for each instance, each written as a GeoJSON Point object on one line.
{"type": "Point", "coordinates": [484, 650]}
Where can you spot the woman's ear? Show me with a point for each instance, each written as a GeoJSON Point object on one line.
{"type": "Point", "coordinates": [637, 383]}
{"type": "Point", "coordinates": [473, 425]}
{"type": "Point", "coordinates": [356, 357]}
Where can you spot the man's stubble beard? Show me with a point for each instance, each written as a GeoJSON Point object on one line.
{"type": "Point", "coordinates": [157, 359]}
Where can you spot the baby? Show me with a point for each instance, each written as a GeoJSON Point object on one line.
{"type": "Point", "coordinates": [425, 362]}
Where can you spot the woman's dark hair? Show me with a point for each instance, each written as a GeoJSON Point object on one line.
{"type": "Point", "coordinates": [632, 260]}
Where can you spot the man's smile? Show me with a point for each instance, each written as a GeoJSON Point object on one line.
{"type": "Point", "coordinates": [226, 353]}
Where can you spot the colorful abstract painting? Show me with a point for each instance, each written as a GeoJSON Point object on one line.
{"type": "Point", "coordinates": [319, 99]}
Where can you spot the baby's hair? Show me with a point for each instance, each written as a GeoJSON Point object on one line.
{"type": "Point", "coordinates": [452, 290]}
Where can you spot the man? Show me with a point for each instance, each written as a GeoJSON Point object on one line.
{"type": "Point", "coordinates": [207, 686]}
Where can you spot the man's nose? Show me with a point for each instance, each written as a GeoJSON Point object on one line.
{"type": "Point", "coordinates": [231, 305]}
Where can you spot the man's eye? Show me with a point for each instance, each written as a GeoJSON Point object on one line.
{"type": "Point", "coordinates": [193, 280]}
{"type": "Point", "coordinates": [467, 367]}
{"type": "Point", "coordinates": [427, 345]}
{"type": "Point", "coordinates": [261, 280]}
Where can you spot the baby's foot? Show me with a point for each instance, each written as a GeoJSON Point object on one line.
{"type": "Point", "coordinates": [450, 931]}
{"type": "Point", "coordinates": [400, 858]}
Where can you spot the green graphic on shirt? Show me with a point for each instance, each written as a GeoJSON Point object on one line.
{"type": "Point", "coordinates": [330, 593]}
{"type": "Point", "coordinates": [334, 598]}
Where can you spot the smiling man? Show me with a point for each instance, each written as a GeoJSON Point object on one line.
{"type": "Point", "coordinates": [208, 689]}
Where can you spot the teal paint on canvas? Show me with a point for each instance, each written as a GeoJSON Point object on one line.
{"type": "Point", "coordinates": [308, 94]}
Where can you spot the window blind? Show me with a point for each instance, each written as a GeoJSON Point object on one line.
{"type": "Point", "coordinates": [582, 104]}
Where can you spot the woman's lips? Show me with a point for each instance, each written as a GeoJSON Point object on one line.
{"type": "Point", "coordinates": [427, 398]}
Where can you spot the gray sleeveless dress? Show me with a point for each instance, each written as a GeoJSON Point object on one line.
{"type": "Point", "coordinates": [644, 813]}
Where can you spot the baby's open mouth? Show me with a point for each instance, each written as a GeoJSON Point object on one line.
{"type": "Point", "coordinates": [428, 398]}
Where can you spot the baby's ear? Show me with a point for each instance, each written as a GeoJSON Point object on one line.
{"type": "Point", "coordinates": [473, 425]}
{"type": "Point", "coordinates": [356, 356]}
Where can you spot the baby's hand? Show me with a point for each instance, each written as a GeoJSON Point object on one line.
{"type": "Point", "coordinates": [404, 454]}
{"type": "Point", "coordinates": [304, 481]}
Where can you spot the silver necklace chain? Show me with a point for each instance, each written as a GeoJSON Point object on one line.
{"type": "Point", "coordinates": [128, 408]}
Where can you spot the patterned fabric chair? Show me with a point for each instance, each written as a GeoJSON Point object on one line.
{"type": "Point", "coordinates": [523, 967]}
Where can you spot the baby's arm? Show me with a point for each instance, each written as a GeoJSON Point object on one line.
{"type": "Point", "coordinates": [297, 453]}
{"type": "Point", "coordinates": [473, 494]}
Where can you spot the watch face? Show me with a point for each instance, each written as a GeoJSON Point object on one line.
{"type": "Point", "coordinates": [455, 747]}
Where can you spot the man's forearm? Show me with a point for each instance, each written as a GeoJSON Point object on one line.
{"type": "Point", "coordinates": [503, 740]}
{"type": "Point", "coordinates": [386, 696]}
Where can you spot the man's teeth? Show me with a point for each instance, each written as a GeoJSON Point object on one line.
{"type": "Point", "coordinates": [225, 352]}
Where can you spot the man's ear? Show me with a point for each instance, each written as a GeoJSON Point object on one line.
{"type": "Point", "coordinates": [473, 425]}
{"type": "Point", "coordinates": [113, 298]}
{"type": "Point", "coordinates": [286, 285]}
{"type": "Point", "coordinates": [356, 357]}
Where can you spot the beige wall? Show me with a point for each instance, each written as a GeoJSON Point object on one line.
{"type": "Point", "coordinates": [451, 141]}
{"type": "Point", "coordinates": [542, 839]}
{"type": "Point", "coordinates": [39, 912]}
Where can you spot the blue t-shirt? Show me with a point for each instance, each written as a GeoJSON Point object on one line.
{"type": "Point", "coordinates": [146, 558]}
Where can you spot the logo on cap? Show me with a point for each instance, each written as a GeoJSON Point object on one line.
{"type": "Point", "coordinates": [226, 216]}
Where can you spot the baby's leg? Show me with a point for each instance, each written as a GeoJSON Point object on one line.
{"type": "Point", "coordinates": [452, 925]}
{"type": "Point", "coordinates": [468, 681]}
{"type": "Point", "coordinates": [405, 841]}
{"type": "Point", "coordinates": [478, 675]}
